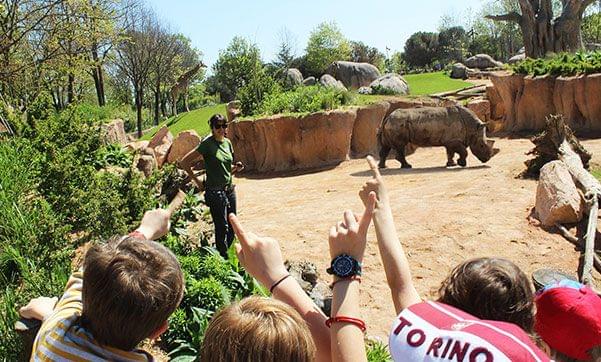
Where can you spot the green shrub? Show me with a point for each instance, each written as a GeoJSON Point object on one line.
{"type": "Point", "coordinates": [305, 99]}
{"type": "Point", "coordinates": [251, 95]}
{"type": "Point", "coordinates": [207, 293]}
{"type": "Point", "coordinates": [112, 155]}
{"type": "Point", "coordinates": [564, 64]}
{"type": "Point", "coordinates": [377, 351]}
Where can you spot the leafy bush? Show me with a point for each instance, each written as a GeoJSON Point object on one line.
{"type": "Point", "coordinates": [252, 94]}
{"type": "Point", "coordinates": [565, 64]}
{"type": "Point", "coordinates": [377, 351]}
{"type": "Point", "coordinates": [112, 155]}
{"type": "Point", "coordinates": [206, 292]}
{"type": "Point", "coordinates": [305, 99]}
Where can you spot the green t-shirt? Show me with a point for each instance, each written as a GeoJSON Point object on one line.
{"type": "Point", "coordinates": [218, 158]}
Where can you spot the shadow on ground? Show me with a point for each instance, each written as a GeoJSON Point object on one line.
{"type": "Point", "coordinates": [416, 171]}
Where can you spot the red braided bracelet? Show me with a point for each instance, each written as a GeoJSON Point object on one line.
{"type": "Point", "coordinates": [341, 319]}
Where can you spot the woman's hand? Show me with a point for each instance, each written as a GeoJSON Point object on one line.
{"type": "Point", "coordinates": [260, 256]}
{"type": "Point", "coordinates": [350, 235]}
{"type": "Point", "coordinates": [38, 308]}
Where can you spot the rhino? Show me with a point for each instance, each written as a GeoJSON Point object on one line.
{"type": "Point", "coordinates": [455, 128]}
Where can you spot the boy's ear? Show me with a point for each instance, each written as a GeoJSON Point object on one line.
{"type": "Point", "coordinates": [162, 329]}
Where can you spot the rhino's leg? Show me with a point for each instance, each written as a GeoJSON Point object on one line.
{"type": "Point", "coordinates": [462, 151]}
{"type": "Point", "coordinates": [400, 156]}
{"type": "Point", "coordinates": [384, 151]}
{"type": "Point", "coordinates": [450, 156]}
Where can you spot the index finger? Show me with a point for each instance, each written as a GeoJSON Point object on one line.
{"type": "Point", "coordinates": [238, 229]}
{"type": "Point", "coordinates": [373, 166]}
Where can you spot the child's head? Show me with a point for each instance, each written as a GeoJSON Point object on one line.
{"type": "Point", "coordinates": [257, 329]}
{"type": "Point", "coordinates": [490, 288]}
{"type": "Point", "coordinates": [130, 288]}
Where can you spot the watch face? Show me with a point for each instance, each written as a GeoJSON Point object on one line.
{"type": "Point", "coordinates": [343, 266]}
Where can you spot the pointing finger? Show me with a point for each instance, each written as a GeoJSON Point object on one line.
{"type": "Point", "coordinates": [238, 230]}
{"type": "Point", "coordinates": [373, 165]}
{"type": "Point", "coordinates": [349, 219]}
{"type": "Point", "coordinates": [368, 213]}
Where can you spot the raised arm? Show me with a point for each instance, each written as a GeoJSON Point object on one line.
{"type": "Point", "coordinates": [186, 165]}
{"type": "Point", "coordinates": [262, 258]}
{"type": "Point", "coordinates": [349, 237]}
{"type": "Point", "coordinates": [396, 265]}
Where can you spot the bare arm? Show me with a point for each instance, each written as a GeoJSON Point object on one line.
{"type": "Point", "coordinates": [186, 164]}
{"type": "Point", "coordinates": [396, 265]}
{"type": "Point", "coordinates": [349, 237]}
{"type": "Point", "coordinates": [262, 258]}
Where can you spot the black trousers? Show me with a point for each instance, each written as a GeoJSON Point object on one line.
{"type": "Point", "coordinates": [221, 203]}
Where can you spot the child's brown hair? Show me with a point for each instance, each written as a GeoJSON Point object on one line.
{"type": "Point", "coordinates": [257, 329]}
{"type": "Point", "coordinates": [130, 288]}
{"type": "Point", "coordinates": [491, 288]}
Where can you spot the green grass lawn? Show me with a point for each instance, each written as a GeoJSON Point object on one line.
{"type": "Point", "coordinates": [432, 83]}
{"type": "Point", "coordinates": [197, 120]}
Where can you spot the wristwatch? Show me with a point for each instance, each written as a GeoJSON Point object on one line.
{"type": "Point", "coordinates": [344, 266]}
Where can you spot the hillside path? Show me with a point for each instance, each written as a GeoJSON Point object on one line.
{"type": "Point", "coordinates": [443, 216]}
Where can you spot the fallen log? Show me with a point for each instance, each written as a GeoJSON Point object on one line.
{"type": "Point", "coordinates": [558, 142]}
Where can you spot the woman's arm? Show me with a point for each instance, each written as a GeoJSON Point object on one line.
{"type": "Point", "coordinates": [262, 258]}
{"type": "Point", "coordinates": [396, 265]}
{"type": "Point", "coordinates": [349, 237]}
{"type": "Point", "coordinates": [186, 164]}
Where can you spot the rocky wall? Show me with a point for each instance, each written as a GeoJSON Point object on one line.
{"type": "Point", "coordinates": [526, 101]}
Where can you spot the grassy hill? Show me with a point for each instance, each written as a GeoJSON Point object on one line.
{"type": "Point", "coordinates": [419, 84]}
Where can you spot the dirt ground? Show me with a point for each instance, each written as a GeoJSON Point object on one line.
{"type": "Point", "coordinates": [443, 216]}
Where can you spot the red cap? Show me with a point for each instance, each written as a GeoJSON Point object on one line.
{"type": "Point", "coordinates": [569, 320]}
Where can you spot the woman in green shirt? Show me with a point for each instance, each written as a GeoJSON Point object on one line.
{"type": "Point", "coordinates": [218, 154]}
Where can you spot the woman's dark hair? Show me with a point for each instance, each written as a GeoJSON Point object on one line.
{"type": "Point", "coordinates": [491, 288]}
{"type": "Point", "coordinates": [215, 119]}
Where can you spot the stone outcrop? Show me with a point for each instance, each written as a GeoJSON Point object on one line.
{"type": "Point", "coordinates": [137, 146]}
{"type": "Point", "coordinates": [293, 77]}
{"type": "Point", "coordinates": [146, 164]}
{"type": "Point", "coordinates": [114, 132]}
{"type": "Point", "coordinates": [526, 101]}
{"type": "Point", "coordinates": [363, 140]}
{"type": "Point", "coordinates": [557, 198]}
{"type": "Point", "coordinates": [390, 84]}
{"type": "Point", "coordinates": [516, 58]}
{"type": "Point", "coordinates": [354, 75]}
{"type": "Point", "coordinates": [482, 61]}
{"type": "Point", "coordinates": [282, 143]}
{"type": "Point", "coordinates": [328, 81]}
{"type": "Point", "coordinates": [459, 71]}
{"type": "Point", "coordinates": [161, 143]}
{"type": "Point", "coordinates": [309, 81]}
{"type": "Point", "coordinates": [185, 142]}
{"type": "Point", "coordinates": [481, 107]}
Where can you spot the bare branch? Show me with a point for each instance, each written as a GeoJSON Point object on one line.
{"type": "Point", "coordinates": [512, 17]}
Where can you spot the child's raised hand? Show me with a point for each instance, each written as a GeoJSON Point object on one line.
{"type": "Point", "coordinates": [155, 223]}
{"type": "Point", "coordinates": [375, 184]}
{"type": "Point", "coordinates": [350, 235]}
{"type": "Point", "coordinates": [38, 308]}
{"type": "Point", "coordinates": [260, 256]}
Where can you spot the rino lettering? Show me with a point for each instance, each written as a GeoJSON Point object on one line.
{"type": "Point", "coordinates": [443, 348]}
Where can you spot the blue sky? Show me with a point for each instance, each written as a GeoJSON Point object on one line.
{"type": "Point", "coordinates": [380, 23]}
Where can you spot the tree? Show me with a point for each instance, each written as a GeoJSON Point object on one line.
{"type": "Point", "coordinates": [421, 48]}
{"type": "Point", "coordinates": [591, 28]}
{"type": "Point", "coordinates": [395, 64]}
{"type": "Point", "coordinates": [452, 44]}
{"type": "Point", "coordinates": [363, 53]}
{"type": "Point", "coordinates": [326, 45]}
{"type": "Point", "coordinates": [542, 30]}
{"type": "Point", "coordinates": [235, 68]}
{"type": "Point", "coordinates": [287, 50]}
{"type": "Point", "coordinates": [134, 55]}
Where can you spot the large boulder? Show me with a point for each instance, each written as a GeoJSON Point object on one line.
{"type": "Point", "coordinates": [185, 142]}
{"type": "Point", "coordinates": [517, 58]}
{"type": "Point", "coordinates": [328, 81]}
{"type": "Point", "coordinates": [354, 75]}
{"type": "Point", "coordinates": [482, 61]}
{"type": "Point", "coordinates": [293, 77]}
{"type": "Point", "coordinates": [309, 81]}
{"type": "Point", "coordinates": [390, 84]}
{"type": "Point", "coordinates": [146, 164]}
{"type": "Point", "coordinates": [459, 71]}
{"type": "Point", "coordinates": [161, 143]}
{"type": "Point", "coordinates": [114, 132]}
{"type": "Point", "coordinates": [232, 110]}
{"type": "Point", "coordinates": [557, 198]}
{"type": "Point", "coordinates": [137, 146]}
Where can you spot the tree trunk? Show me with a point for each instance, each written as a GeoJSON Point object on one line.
{"type": "Point", "coordinates": [98, 78]}
{"type": "Point", "coordinates": [541, 33]}
{"type": "Point", "coordinates": [71, 88]}
{"type": "Point", "coordinates": [157, 101]}
{"type": "Point", "coordinates": [139, 99]}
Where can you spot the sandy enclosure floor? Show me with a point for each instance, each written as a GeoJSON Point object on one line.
{"type": "Point", "coordinates": [443, 216]}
